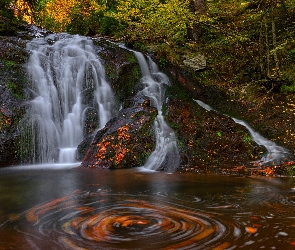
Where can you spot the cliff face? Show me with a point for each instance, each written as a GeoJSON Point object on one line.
{"type": "Point", "coordinates": [208, 141]}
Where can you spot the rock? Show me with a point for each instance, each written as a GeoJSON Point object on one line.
{"type": "Point", "coordinates": [12, 83]}
{"type": "Point", "coordinates": [31, 31]}
{"type": "Point", "coordinates": [122, 69]}
{"type": "Point", "coordinates": [125, 141]}
{"type": "Point", "coordinates": [209, 140]}
{"type": "Point", "coordinates": [196, 63]}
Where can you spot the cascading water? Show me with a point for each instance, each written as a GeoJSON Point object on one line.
{"type": "Point", "coordinates": [166, 154]}
{"type": "Point", "coordinates": [60, 68]}
{"type": "Point", "coordinates": [274, 153]}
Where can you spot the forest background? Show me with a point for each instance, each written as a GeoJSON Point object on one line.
{"type": "Point", "coordinates": [245, 42]}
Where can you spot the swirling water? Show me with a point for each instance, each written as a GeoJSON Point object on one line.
{"type": "Point", "coordinates": [129, 209]}
{"type": "Point", "coordinates": [60, 68]}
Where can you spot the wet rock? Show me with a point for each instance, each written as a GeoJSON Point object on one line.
{"type": "Point", "coordinates": [211, 147]}
{"type": "Point", "coordinates": [121, 68]}
{"type": "Point", "coordinates": [31, 31]}
{"type": "Point", "coordinates": [125, 141]}
{"type": "Point", "coordinates": [207, 139]}
{"type": "Point", "coordinates": [12, 84]}
{"type": "Point", "coordinates": [91, 121]}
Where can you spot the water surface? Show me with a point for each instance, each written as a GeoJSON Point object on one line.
{"type": "Point", "coordinates": [71, 208]}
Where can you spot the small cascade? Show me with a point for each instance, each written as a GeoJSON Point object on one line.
{"type": "Point", "coordinates": [274, 152]}
{"type": "Point", "coordinates": [166, 154]}
{"type": "Point", "coordinates": [60, 68]}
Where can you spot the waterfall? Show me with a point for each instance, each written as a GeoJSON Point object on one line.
{"type": "Point", "coordinates": [274, 153]}
{"type": "Point", "coordinates": [166, 154]}
{"type": "Point", "coordinates": [61, 68]}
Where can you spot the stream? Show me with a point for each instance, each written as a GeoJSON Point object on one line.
{"type": "Point", "coordinates": [274, 154]}
{"type": "Point", "coordinates": [60, 206]}
{"type": "Point", "coordinates": [64, 207]}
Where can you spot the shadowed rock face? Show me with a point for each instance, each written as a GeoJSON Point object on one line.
{"type": "Point", "coordinates": [12, 56]}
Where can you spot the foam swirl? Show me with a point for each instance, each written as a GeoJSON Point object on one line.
{"type": "Point", "coordinates": [118, 221]}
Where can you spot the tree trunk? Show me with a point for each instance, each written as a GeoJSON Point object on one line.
{"type": "Point", "coordinates": [197, 7]}
{"type": "Point", "coordinates": [274, 37]}
{"type": "Point", "coordinates": [200, 6]}
{"type": "Point", "coordinates": [267, 51]}
{"type": "Point", "coordinates": [261, 51]}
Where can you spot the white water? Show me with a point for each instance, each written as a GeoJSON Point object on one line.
{"type": "Point", "coordinates": [274, 152]}
{"type": "Point", "coordinates": [59, 69]}
{"type": "Point", "coordinates": [166, 152]}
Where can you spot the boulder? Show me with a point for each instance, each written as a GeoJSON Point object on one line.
{"type": "Point", "coordinates": [195, 63]}
{"type": "Point", "coordinates": [126, 140]}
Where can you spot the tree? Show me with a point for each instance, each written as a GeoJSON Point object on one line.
{"type": "Point", "coordinates": [84, 17]}
{"type": "Point", "coordinates": [8, 22]}
{"type": "Point", "coordinates": [68, 15]}
{"type": "Point", "coordinates": [155, 20]}
{"type": "Point", "coordinates": [250, 41]}
{"type": "Point", "coordinates": [23, 9]}
{"type": "Point", "coordinates": [198, 7]}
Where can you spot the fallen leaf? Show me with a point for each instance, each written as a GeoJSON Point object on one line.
{"type": "Point", "coordinates": [251, 230]}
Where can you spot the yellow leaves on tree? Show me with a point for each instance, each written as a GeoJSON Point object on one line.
{"type": "Point", "coordinates": [23, 11]}
{"type": "Point", "coordinates": [155, 20]}
{"type": "Point", "coordinates": [61, 11]}
{"type": "Point", "coordinates": [110, 145]}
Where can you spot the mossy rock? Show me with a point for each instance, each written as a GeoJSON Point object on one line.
{"type": "Point", "coordinates": [126, 140]}
{"type": "Point", "coordinates": [12, 96]}
{"type": "Point", "coordinates": [121, 68]}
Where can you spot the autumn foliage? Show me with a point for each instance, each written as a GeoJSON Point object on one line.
{"type": "Point", "coordinates": [60, 15]}
{"type": "Point", "coordinates": [113, 147]}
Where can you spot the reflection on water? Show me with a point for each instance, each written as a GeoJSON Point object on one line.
{"type": "Point", "coordinates": [128, 209]}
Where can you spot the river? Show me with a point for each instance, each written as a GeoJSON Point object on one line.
{"type": "Point", "coordinates": [61, 206]}
{"type": "Point", "coordinates": [65, 207]}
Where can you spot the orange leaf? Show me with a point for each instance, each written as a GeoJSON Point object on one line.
{"type": "Point", "coordinates": [251, 230]}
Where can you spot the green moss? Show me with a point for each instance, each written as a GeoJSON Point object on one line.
{"type": "Point", "coordinates": [140, 46]}
{"type": "Point", "coordinates": [9, 64]}
{"type": "Point", "coordinates": [131, 58]}
{"type": "Point", "coordinates": [15, 89]}
{"type": "Point", "coordinates": [142, 157]}
{"type": "Point", "coordinates": [129, 76]}
{"type": "Point", "coordinates": [110, 72]}
{"type": "Point", "coordinates": [163, 62]}
{"type": "Point", "coordinates": [247, 139]}
{"type": "Point", "coordinates": [175, 91]}
{"type": "Point", "coordinates": [292, 170]}
{"type": "Point", "coordinates": [218, 133]}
